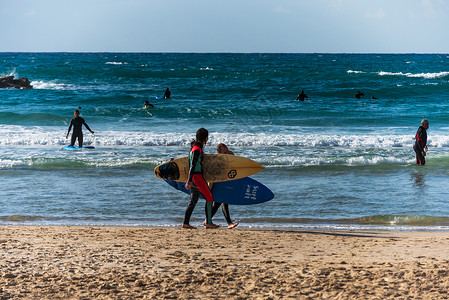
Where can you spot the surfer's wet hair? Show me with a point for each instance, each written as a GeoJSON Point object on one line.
{"type": "Point", "coordinates": [424, 121]}
{"type": "Point", "coordinates": [201, 136]}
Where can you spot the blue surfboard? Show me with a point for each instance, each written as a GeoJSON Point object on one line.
{"type": "Point", "coordinates": [245, 191]}
{"type": "Point", "coordinates": [78, 148]}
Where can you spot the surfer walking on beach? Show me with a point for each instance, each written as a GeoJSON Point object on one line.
{"type": "Point", "coordinates": [77, 124]}
{"type": "Point", "coordinates": [196, 182]}
{"type": "Point", "coordinates": [223, 149]}
{"type": "Point", "coordinates": [420, 146]}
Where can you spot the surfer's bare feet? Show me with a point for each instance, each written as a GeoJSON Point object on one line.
{"type": "Point", "coordinates": [212, 226]}
{"type": "Point", "coordinates": [188, 226]}
{"type": "Point", "coordinates": [232, 225]}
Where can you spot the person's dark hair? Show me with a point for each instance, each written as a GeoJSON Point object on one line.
{"type": "Point", "coordinates": [77, 111]}
{"type": "Point", "coordinates": [201, 136]}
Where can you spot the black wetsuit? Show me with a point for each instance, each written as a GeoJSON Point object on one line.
{"type": "Point", "coordinates": [77, 124]}
{"type": "Point", "coordinates": [301, 97]}
{"type": "Point", "coordinates": [420, 144]}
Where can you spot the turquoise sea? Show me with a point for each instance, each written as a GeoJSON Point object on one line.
{"type": "Point", "coordinates": [333, 161]}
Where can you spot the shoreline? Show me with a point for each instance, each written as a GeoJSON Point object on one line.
{"type": "Point", "coordinates": [86, 262]}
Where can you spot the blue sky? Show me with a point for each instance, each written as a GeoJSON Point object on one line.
{"type": "Point", "coordinates": [300, 26]}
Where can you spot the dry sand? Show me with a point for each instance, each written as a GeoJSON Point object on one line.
{"type": "Point", "coordinates": [173, 263]}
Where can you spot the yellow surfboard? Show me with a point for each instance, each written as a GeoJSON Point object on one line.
{"type": "Point", "coordinates": [216, 168]}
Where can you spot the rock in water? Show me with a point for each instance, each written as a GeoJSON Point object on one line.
{"type": "Point", "coordinates": [10, 82]}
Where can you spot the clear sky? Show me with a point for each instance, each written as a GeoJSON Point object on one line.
{"type": "Point", "coordinates": [300, 26]}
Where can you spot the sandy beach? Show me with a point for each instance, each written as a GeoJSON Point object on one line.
{"type": "Point", "coordinates": [170, 263]}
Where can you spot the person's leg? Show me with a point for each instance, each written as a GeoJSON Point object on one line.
{"type": "Point", "coordinates": [225, 209]}
{"type": "Point", "coordinates": [72, 141]}
{"type": "Point", "coordinates": [80, 140]}
{"type": "Point", "coordinates": [228, 217]}
{"type": "Point", "coordinates": [215, 208]}
{"type": "Point", "coordinates": [202, 186]}
{"type": "Point", "coordinates": [194, 195]}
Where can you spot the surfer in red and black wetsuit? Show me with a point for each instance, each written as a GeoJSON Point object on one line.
{"type": "Point", "coordinates": [77, 124]}
{"type": "Point", "coordinates": [196, 182]}
{"type": "Point", "coordinates": [420, 146]}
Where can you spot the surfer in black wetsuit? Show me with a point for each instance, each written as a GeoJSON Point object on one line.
{"type": "Point", "coordinates": [167, 94]}
{"type": "Point", "coordinates": [77, 124]}
{"type": "Point", "coordinates": [358, 95]}
{"type": "Point", "coordinates": [147, 104]}
{"type": "Point", "coordinates": [420, 146]}
{"type": "Point", "coordinates": [301, 96]}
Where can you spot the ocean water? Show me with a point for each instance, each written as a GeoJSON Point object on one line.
{"type": "Point", "coordinates": [333, 161]}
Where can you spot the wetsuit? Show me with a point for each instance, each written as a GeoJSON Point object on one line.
{"type": "Point", "coordinates": [301, 97]}
{"type": "Point", "coordinates": [77, 124]}
{"type": "Point", "coordinates": [420, 144]}
{"type": "Point", "coordinates": [199, 185]}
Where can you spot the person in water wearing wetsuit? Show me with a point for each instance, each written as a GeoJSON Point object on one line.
{"type": "Point", "coordinates": [358, 95]}
{"type": "Point", "coordinates": [147, 104]}
{"type": "Point", "coordinates": [420, 146]}
{"type": "Point", "coordinates": [223, 149]}
{"type": "Point", "coordinates": [77, 124]}
{"type": "Point", "coordinates": [196, 182]}
{"type": "Point", "coordinates": [167, 94]}
{"type": "Point", "coordinates": [301, 96]}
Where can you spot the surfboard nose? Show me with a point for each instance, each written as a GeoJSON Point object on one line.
{"type": "Point", "coordinates": [168, 171]}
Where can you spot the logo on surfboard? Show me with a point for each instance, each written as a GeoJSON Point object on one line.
{"type": "Point", "coordinates": [232, 174]}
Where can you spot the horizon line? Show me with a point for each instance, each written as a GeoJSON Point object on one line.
{"type": "Point", "coordinates": [217, 52]}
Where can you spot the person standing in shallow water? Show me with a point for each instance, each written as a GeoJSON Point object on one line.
{"type": "Point", "coordinates": [77, 124]}
{"type": "Point", "coordinates": [420, 146]}
{"type": "Point", "coordinates": [301, 96]}
{"type": "Point", "coordinates": [196, 183]}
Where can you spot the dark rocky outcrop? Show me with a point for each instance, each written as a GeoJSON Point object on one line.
{"type": "Point", "coordinates": [10, 82]}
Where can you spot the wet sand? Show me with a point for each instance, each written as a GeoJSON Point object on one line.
{"type": "Point", "coordinates": [172, 263]}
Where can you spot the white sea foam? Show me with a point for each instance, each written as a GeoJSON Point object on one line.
{"type": "Point", "coordinates": [20, 135]}
{"type": "Point", "coordinates": [44, 85]}
{"type": "Point", "coordinates": [355, 72]}
{"type": "Point", "coordinates": [418, 75]}
{"type": "Point", "coordinates": [12, 73]}
{"type": "Point", "coordinates": [116, 63]}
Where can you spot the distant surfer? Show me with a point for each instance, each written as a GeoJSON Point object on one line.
{"type": "Point", "coordinates": [223, 149]}
{"type": "Point", "coordinates": [374, 98]}
{"type": "Point", "coordinates": [420, 146]}
{"type": "Point", "coordinates": [147, 104]}
{"type": "Point", "coordinates": [167, 93]}
{"type": "Point", "coordinates": [196, 182]}
{"type": "Point", "coordinates": [77, 133]}
{"type": "Point", "coordinates": [358, 95]}
{"type": "Point", "coordinates": [301, 96]}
